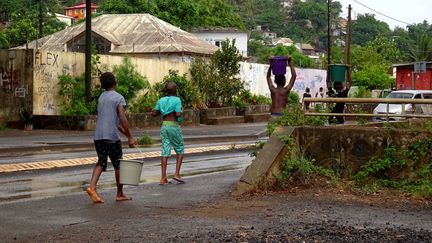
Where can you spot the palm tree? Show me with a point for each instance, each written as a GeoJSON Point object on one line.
{"type": "Point", "coordinates": [422, 49]}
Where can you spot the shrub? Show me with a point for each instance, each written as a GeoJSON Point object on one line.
{"type": "Point", "coordinates": [145, 102]}
{"type": "Point", "coordinates": [218, 81]}
{"type": "Point", "coordinates": [185, 90]}
{"type": "Point", "coordinates": [245, 97]}
{"type": "Point", "coordinates": [145, 139]}
{"type": "Point", "coordinates": [72, 94]}
{"type": "Point", "coordinates": [129, 81]}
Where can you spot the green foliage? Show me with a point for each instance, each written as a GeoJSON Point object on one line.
{"type": "Point", "coordinates": [298, 59]}
{"type": "Point", "coordinates": [3, 127]}
{"type": "Point", "coordinates": [377, 167]}
{"type": "Point", "coordinates": [185, 90]}
{"type": "Point", "coordinates": [387, 48]}
{"type": "Point", "coordinates": [23, 25]}
{"type": "Point", "coordinates": [363, 92]}
{"type": "Point", "coordinates": [258, 146]}
{"type": "Point", "coordinates": [245, 97]}
{"type": "Point", "coordinates": [218, 81]}
{"type": "Point", "coordinates": [422, 49]}
{"type": "Point", "coordinates": [293, 115]}
{"type": "Point", "coordinates": [293, 98]}
{"type": "Point", "coordinates": [317, 120]}
{"type": "Point", "coordinates": [419, 149]}
{"type": "Point", "coordinates": [372, 77]}
{"type": "Point", "coordinates": [366, 29]}
{"type": "Point", "coordinates": [303, 170]}
{"type": "Point", "coordinates": [129, 81]}
{"type": "Point", "coordinates": [145, 102]}
{"type": "Point", "coordinates": [183, 13]}
{"type": "Point", "coordinates": [72, 94]}
{"type": "Point", "coordinates": [145, 139]}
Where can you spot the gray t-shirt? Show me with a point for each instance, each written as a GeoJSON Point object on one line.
{"type": "Point", "coordinates": [108, 120]}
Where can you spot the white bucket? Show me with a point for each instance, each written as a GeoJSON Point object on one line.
{"type": "Point", "coordinates": [130, 172]}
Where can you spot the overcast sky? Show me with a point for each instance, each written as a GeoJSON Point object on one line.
{"type": "Point", "coordinates": [409, 11]}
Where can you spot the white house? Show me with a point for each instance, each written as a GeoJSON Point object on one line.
{"type": "Point", "coordinates": [215, 35]}
{"type": "Point", "coordinates": [65, 19]}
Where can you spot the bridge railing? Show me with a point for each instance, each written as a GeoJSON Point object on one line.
{"type": "Point", "coordinates": [388, 115]}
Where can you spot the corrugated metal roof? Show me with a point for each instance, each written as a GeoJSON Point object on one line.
{"type": "Point", "coordinates": [131, 33]}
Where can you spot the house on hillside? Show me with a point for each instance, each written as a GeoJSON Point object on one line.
{"type": "Point", "coordinates": [65, 19]}
{"type": "Point", "coordinates": [408, 77]}
{"type": "Point", "coordinates": [137, 35]}
{"type": "Point", "coordinates": [215, 35]}
{"type": "Point", "coordinates": [282, 41]}
{"type": "Point", "coordinates": [79, 11]}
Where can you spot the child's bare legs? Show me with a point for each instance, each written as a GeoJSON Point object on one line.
{"type": "Point", "coordinates": [179, 162]}
{"type": "Point", "coordinates": [164, 162]}
{"type": "Point", "coordinates": [97, 171]}
{"type": "Point", "coordinates": [120, 195]}
{"type": "Point", "coordinates": [91, 190]}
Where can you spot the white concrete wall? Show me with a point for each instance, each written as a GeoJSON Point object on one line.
{"type": "Point", "coordinates": [49, 65]}
{"type": "Point", "coordinates": [241, 39]}
{"type": "Point", "coordinates": [254, 77]}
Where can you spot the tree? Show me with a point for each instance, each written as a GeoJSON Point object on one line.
{"type": "Point", "coordinates": [218, 81]}
{"type": "Point", "coordinates": [387, 48]}
{"type": "Point", "coordinates": [370, 69]}
{"type": "Point", "coordinates": [183, 13]}
{"type": "Point", "coordinates": [422, 49]}
{"type": "Point", "coordinates": [298, 58]}
{"type": "Point", "coordinates": [23, 18]}
{"type": "Point", "coordinates": [366, 29]}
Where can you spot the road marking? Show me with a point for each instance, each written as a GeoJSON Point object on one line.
{"type": "Point", "coordinates": [91, 160]}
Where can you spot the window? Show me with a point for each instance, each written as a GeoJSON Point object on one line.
{"type": "Point", "coordinates": [70, 12]}
{"type": "Point", "coordinates": [427, 96]}
{"type": "Point", "coordinates": [218, 43]}
{"type": "Point", "coordinates": [417, 96]}
{"type": "Point", "coordinates": [76, 11]}
{"type": "Point", "coordinates": [82, 11]}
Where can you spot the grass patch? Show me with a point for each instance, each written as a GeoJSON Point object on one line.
{"type": "Point", "coordinates": [145, 140]}
{"type": "Point", "coordinates": [3, 127]}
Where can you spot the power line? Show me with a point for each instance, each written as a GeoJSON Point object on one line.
{"type": "Point", "coordinates": [385, 15]}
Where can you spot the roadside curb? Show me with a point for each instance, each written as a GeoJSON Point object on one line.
{"type": "Point", "coordinates": [76, 147]}
{"type": "Point", "coordinates": [29, 166]}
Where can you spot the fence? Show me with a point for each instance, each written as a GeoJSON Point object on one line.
{"type": "Point", "coordinates": [426, 106]}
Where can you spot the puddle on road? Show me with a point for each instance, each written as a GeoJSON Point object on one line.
{"type": "Point", "coordinates": [25, 189]}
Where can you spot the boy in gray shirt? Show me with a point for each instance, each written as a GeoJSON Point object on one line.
{"type": "Point", "coordinates": [111, 119]}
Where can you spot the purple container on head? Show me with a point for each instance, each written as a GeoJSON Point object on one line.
{"type": "Point", "coordinates": [278, 65]}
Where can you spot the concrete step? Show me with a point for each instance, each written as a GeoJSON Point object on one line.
{"type": "Point", "coordinates": [225, 120]}
{"type": "Point", "coordinates": [260, 117]}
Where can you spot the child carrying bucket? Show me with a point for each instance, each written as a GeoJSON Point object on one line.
{"type": "Point", "coordinates": [170, 108]}
{"type": "Point", "coordinates": [111, 119]}
{"type": "Point", "coordinates": [337, 75]}
{"type": "Point", "coordinates": [279, 94]}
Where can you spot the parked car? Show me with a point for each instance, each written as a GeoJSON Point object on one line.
{"type": "Point", "coordinates": [397, 108]}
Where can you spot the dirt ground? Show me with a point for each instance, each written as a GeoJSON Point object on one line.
{"type": "Point", "coordinates": [296, 215]}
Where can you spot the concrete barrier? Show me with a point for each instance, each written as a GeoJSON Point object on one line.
{"type": "Point", "coordinates": [344, 149]}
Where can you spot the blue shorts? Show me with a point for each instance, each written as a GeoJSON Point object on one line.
{"type": "Point", "coordinates": [171, 136]}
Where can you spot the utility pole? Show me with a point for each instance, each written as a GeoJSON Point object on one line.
{"type": "Point", "coordinates": [348, 38]}
{"type": "Point", "coordinates": [40, 19]}
{"type": "Point", "coordinates": [328, 40]}
{"type": "Point", "coordinates": [88, 47]}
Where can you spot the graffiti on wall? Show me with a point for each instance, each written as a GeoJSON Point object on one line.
{"type": "Point", "coordinates": [46, 65]}
{"type": "Point", "coordinates": [11, 82]}
{"type": "Point", "coordinates": [254, 77]}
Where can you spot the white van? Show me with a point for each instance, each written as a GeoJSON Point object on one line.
{"type": "Point", "coordinates": [397, 108]}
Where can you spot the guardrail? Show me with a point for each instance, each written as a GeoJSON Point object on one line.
{"type": "Point", "coordinates": [387, 101]}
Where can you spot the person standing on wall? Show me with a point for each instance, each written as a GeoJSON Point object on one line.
{"type": "Point", "coordinates": [279, 94]}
